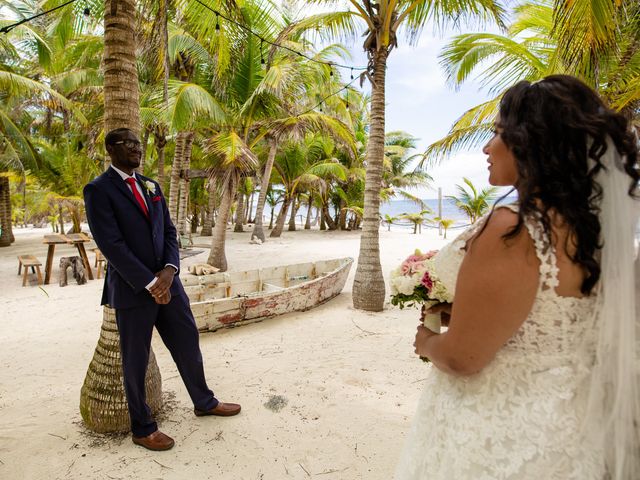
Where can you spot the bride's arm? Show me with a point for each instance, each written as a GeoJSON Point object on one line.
{"type": "Point", "coordinates": [496, 287]}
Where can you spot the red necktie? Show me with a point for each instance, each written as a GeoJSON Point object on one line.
{"type": "Point", "coordinates": [132, 183]}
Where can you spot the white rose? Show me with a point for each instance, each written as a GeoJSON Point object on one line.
{"type": "Point", "coordinates": [150, 186]}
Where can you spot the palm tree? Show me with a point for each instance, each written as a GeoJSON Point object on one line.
{"type": "Point", "coordinates": [545, 38]}
{"type": "Point", "coordinates": [417, 219]}
{"type": "Point", "coordinates": [388, 219]}
{"type": "Point", "coordinates": [382, 20]}
{"type": "Point", "coordinates": [273, 198]}
{"type": "Point", "coordinates": [472, 203]}
{"type": "Point", "coordinates": [233, 160]}
{"type": "Point", "coordinates": [445, 223]}
{"type": "Point", "coordinates": [121, 93]}
{"type": "Point", "coordinates": [295, 167]}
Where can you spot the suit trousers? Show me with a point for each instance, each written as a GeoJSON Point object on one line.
{"type": "Point", "coordinates": [177, 328]}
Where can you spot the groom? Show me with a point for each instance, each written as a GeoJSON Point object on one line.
{"type": "Point", "coordinates": [130, 223]}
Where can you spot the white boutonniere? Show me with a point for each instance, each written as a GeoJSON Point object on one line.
{"type": "Point", "coordinates": [151, 187]}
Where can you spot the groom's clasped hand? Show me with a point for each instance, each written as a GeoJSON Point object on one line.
{"type": "Point", "coordinates": [160, 289]}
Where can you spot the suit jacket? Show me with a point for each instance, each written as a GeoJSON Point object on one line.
{"type": "Point", "coordinates": [136, 247]}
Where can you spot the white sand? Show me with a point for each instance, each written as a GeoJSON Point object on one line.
{"type": "Point", "coordinates": [350, 378]}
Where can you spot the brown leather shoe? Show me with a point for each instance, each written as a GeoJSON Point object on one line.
{"type": "Point", "coordinates": [221, 410]}
{"type": "Point", "coordinates": [156, 441]}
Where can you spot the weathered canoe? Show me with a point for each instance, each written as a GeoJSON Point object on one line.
{"type": "Point", "coordinates": [234, 298]}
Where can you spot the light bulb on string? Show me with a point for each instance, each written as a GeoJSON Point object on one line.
{"type": "Point", "coordinates": [217, 22]}
{"type": "Point", "coordinates": [352, 74]}
{"type": "Point", "coordinates": [262, 62]}
{"type": "Point", "coordinates": [86, 13]}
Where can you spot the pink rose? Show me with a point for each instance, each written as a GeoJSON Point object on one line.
{"type": "Point", "coordinates": [426, 281]}
{"type": "Point", "coordinates": [411, 265]}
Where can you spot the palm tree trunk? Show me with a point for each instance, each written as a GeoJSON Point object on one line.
{"type": "Point", "coordinates": [145, 144]}
{"type": "Point", "coordinates": [217, 256]}
{"type": "Point", "coordinates": [295, 205]}
{"type": "Point", "coordinates": [368, 285]}
{"type": "Point", "coordinates": [272, 215]}
{"type": "Point", "coordinates": [264, 186]}
{"type": "Point", "coordinates": [5, 213]}
{"type": "Point", "coordinates": [343, 215]}
{"type": "Point", "coordinates": [208, 221]}
{"type": "Point", "coordinates": [239, 213]}
{"type": "Point", "coordinates": [176, 169]}
{"type": "Point", "coordinates": [61, 218]}
{"type": "Point", "coordinates": [121, 94]}
{"type": "Point", "coordinates": [103, 405]}
{"type": "Point", "coordinates": [250, 208]}
{"type": "Point", "coordinates": [307, 223]}
{"type": "Point", "coordinates": [160, 142]}
{"type": "Point", "coordinates": [282, 216]}
{"type": "Point", "coordinates": [185, 163]}
{"type": "Point", "coordinates": [326, 217]}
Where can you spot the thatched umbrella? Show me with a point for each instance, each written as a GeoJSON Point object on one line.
{"type": "Point", "coordinates": [103, 404]}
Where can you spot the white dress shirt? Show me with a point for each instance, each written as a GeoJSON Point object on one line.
{"type": "Point", "coordinates": [137, 184]}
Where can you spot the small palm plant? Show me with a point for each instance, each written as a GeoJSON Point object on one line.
{"type": "Point", "coordinates": [474, 204]}
{"type": "Point", "coordinates": [388, 219]}
{"type": "Point", "coordinates": [418, 219]}
{"type": "Point", "coordinates": [445, 223]}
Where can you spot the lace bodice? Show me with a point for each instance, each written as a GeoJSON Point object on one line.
{"type": "Point", "coordinates": [519, 418]}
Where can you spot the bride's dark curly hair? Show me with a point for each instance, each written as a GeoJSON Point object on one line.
{"type": "Point", "coordinates": [553, 127]}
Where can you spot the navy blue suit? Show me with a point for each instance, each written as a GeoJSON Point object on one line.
{"type": "Point", "coordinates": [136, 247]}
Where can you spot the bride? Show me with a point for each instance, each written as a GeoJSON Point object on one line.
{"type": "Point", "coordinates": [537, 374]}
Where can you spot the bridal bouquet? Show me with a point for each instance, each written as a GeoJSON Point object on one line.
{"type": "Point", "coordinates": [416, 281]}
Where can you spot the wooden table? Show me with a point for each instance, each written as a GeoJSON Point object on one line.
{"type": "Point", "coordinates": [77, 239]}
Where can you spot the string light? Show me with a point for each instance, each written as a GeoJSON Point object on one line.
{"type": "Point", "coordinates": [8, 28]}
{"type": "Point", "coordinates": [86, 13]}
{"type": "Point", "coordinates": [217, 22]}
{"type": "Point", "coordinates": [284, 47]}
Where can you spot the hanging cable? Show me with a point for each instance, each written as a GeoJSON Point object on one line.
{"type": "Point", "coordinates": [274, 44]}
{"type": "Point", "coordinates": [8, 28]}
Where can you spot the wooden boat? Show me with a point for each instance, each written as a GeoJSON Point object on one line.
{"type": "Point", "coordinates": [228, 299]}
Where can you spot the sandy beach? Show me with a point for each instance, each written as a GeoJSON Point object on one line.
{"type": "Point", "coordinates": [347, 381]}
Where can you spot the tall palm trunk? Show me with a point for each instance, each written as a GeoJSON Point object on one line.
{"type": "Point", "coordinates": [250, 207]}
{"type": "Point", "coordinates": [121, 95]}
{"type": "Point", "coordinates": [239, 213]}
{"type": "Point", "coordinates": [273, 210]}
{"type": "Point", "coordinates": [208, 220]}
{"type": "Point", "coordinates": [282, 216]}
{"type": "Point", "coordinates": [160, 131]}
{"type": "Point", "coordinates": [185, 163]}
{"type": "Point", "coordinates": [295, 205]}
{"type": "Point", "coordinates": [307, 223]}
{"type": "Point", "coordinates": [217, 257]}
{"type": "Point", "coordinates": [326, 217]}
{"type": "Point", "coordinates": [368, 285]}
{"type": "Point", "coordinates": [264, 186]}
{"type": "Point", "coordinates": [145, 145]}
{"type": "Point", "coordinates": [5, 213]}
{"type": "Point", "coordinates": [176, 169]}
{"type": "Point", "coordinates": [160, 142]}
{"type": "Point", "coordinates": [101, 399]}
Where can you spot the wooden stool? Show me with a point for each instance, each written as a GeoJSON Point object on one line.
{"type": "Point", "coordinates": [100, 261]}
{"type": "Point", "coordinates": [27, 261]}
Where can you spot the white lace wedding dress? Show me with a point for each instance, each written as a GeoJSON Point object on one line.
{"type": "Point", "coordinates": [520, 417]}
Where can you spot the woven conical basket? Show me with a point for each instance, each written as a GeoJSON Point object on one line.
{"type": "Point", "coordinates": [103, 404]}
